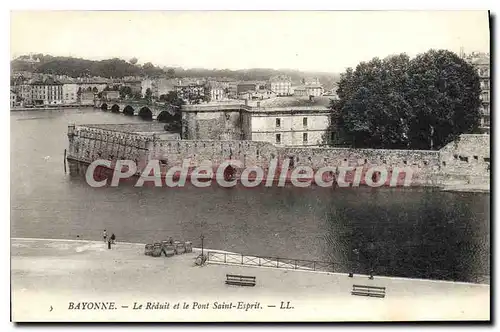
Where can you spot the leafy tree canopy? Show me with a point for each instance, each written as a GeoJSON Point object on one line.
{"type": "Point", "coordinates": [422, 103]}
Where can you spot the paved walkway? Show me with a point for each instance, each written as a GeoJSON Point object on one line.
{"type": "Point", "coordinates": [49, 274]}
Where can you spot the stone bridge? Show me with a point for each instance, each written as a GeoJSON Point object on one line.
{"type": "Point", "coordinates": [159, 112]}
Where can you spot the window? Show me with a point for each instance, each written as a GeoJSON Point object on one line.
{"type": "Point", "coordinates": [278, 123]}
{"type": "Point", "coordinates": [278, 138]}
{"type": "Point", "coordinates": [333, 137]}
{"type": "Point", "coordinates": [304, 122]}
{"type": "Point", "coordinates": [304, 137]}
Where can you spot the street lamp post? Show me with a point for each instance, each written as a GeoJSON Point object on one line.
{"type": "Point", "coordinates": [202, 237]}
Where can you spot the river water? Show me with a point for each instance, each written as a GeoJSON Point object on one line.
{"type": "Point", "coordinates": [416, 233]}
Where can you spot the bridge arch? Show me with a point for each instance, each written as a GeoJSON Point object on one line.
{"type": "Point", "coordinates": [146, 113]}
{"type": "Point", "coordinates": [115, 108]}
{"type": "Point", "coordinates": [104, 107]}
{"type": "Point", "coordinates": [165, 117]}
{"type": "Point", "coordinates": [128, 110]}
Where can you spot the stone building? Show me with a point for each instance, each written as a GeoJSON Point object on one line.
{"type": "Point", "coordinates": [481, 62]}
{"type": "Point", "coordinates": [47, 92]}
{"type": "Point", "coordinates": [70, 93]}
{"type": "Point", "coordinates": [247, 86]}
{"type": "Point", "coordinates": [13, 99]}
{"type": "Point", "coordinates": [284, 121]}
{"type": "Point", "coordinates": [315, 90]}
{"type": "Point", "coordinates": [86, 97]}
{"type": "Point", "coordinates": [217, 91]}
{"type": "Point", "coordinates": [91, 84]}
{"type": "Point", "coordinates": [134, 84]}
{"type": "Point", "coordinates": [291, 121]}
{"type": "Point", "coordinates": [25, 92]}
{"type": "Point", "coordinates": [110, 95]}
{"type": "Point", "coordinates": [281, 85]}
{"type": "Point", "coordinates": [215, 121]}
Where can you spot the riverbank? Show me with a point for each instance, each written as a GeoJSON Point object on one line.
{"type": "Point", "coordinates": [47, 275]}
{"type": "Point", "coordinates": [472, 188]}
{"type": "Point", "coordinates": [50, 108]}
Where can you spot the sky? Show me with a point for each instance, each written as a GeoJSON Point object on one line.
{"type": "Point", "coordinates": [326, 41]}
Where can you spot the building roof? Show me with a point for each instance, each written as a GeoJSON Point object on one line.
{"type": "Point", "coordinates": [481, 60]}
{"type": "Point", "coordinates": [280, 78]}
{"type": "Point", "coordinates": [293, 102]}
{"type": "Point", "coordinates": [47, 81]}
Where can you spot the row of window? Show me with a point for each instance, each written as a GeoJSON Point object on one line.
{"type": "Point", "coordinates": [278, 122]}
{"type": "Point", "coordinates": [278, 138]}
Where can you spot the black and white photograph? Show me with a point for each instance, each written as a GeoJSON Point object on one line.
{"type": "Point", "coordinates": [250, 166]}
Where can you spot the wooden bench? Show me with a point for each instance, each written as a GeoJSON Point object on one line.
{"type": "Point", "coordinates": [237, 280]}
{"type": "Point", "coordinates": [371, 291]}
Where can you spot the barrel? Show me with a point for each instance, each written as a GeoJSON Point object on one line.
{"type": "Point", "coordinates": [148, 249]}
{"type": "Point", "coordinates": [157, 250]}
{"type": "Point", "coordinates": [169, 250]}
{"type": "Point", "coordinates": [180, 248]}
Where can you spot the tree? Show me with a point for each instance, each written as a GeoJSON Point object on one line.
{"type": "Point", "coordinates": [171, 73]}
{"type": "Point", "coordinates": [444, 97]}
{"type": "Point", "coordinates": [372, 109]}
{"type": "Point", "coordinates": [125, 91]}
{"type": "Point", "coordinates": [423, 103]}
{"type": "Point", "coordinates": [148, 95]}
{"type": "Point", "coordinates": [94, 90]}
{"type": "Point", "coordinates": [172, 99]}
{"type": "Point", "coordinates": [136, 95]}
{"type": "Point", "coordinates": [173, 117]}
{"type": "Point", "coordinates": [133, 61]}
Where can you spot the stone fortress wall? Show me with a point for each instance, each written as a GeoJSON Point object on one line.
{"type": "Point", "coordinates": [465, 160]}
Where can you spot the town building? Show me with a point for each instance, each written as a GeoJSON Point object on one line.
{"type": "Point", "coordinates": [163, 87]}
{"type": "Point", "coordinates": [86, 97]}
{"type": "Point", "coordinates": [47, 92]}
{"type": "Point", "coordinates": [190, 91]}
{"type": "Point", "coordinates": [13, 99]}
{"type": "Point", "coordinates": [109, 95]}
{"type": "Point", "coordinates": [70, 93]}
{"type": "Point", "coordinates": [135, 86]}
{"type": "Point", "coordinates": [246, 86]}
{"type": "Point", "coordinates": [315, 90]}
{"type": "Point", "coordinates": [259, 94]}
{"type": "Point", "coordinates": [145, 85]}
{"type": "Point", "coordinates": [281, 85]}
{"type": "Point", "coordinates": [217, 91]}
{"type": "Point", "coordinates": [299, 91]}
{"type": "Point", "coordinates": [95, 84]}
{"type": "Point", "coordinates": [481, 62]}
{"type": "Point", "coordinates": [24, 91]}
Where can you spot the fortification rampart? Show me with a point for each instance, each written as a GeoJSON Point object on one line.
{"type": "Point", "coordinates": [465, 160]}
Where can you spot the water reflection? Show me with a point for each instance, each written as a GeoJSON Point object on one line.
{"type": "Point", "coordinates": [420, 233]}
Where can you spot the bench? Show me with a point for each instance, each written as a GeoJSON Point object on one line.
{"type": "Point", "coordinates": [371, 291]}
{"type": "Point", "coordinates": [237, 280]}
